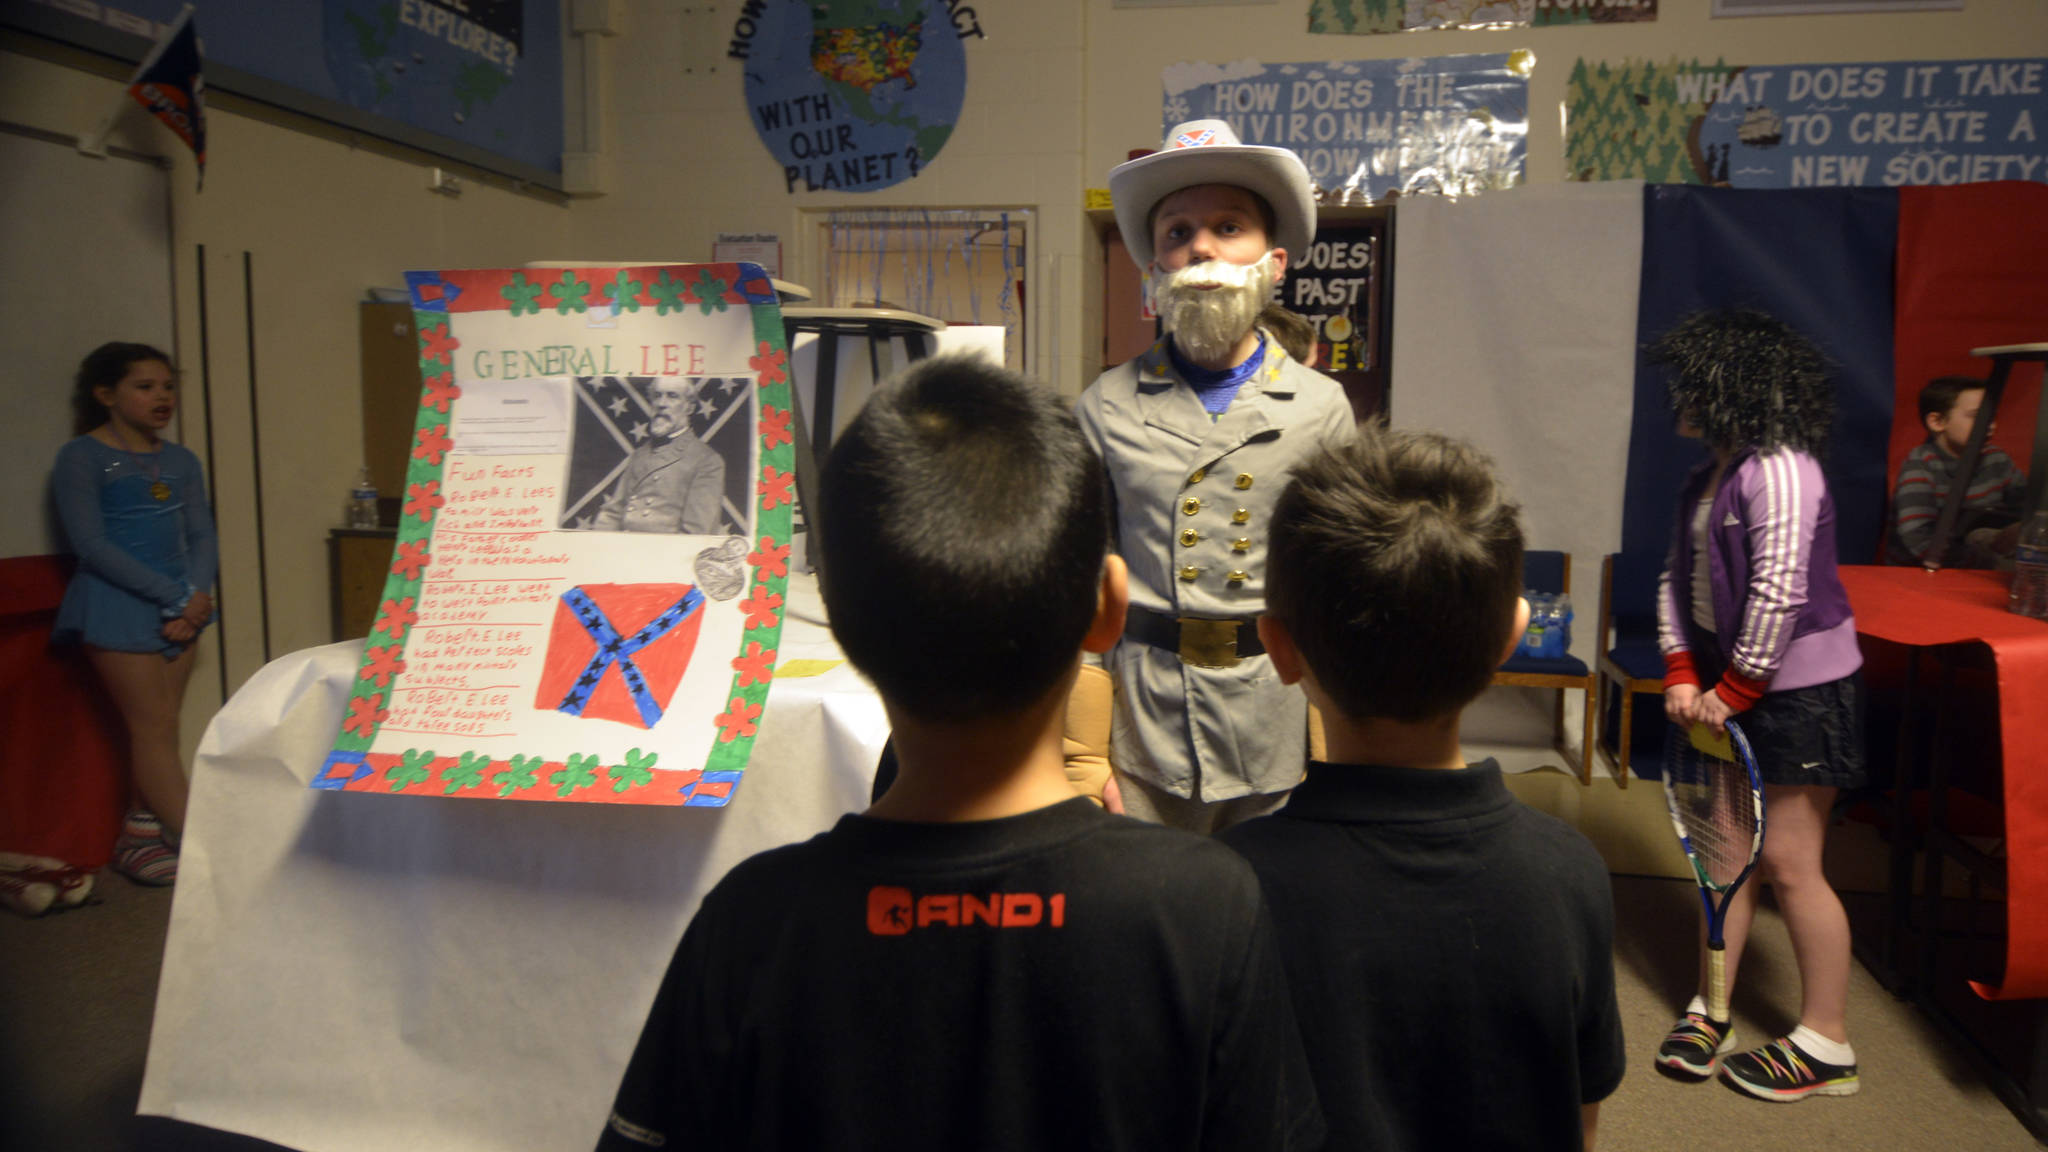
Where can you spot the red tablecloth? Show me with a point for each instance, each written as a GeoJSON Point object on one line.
{"type": "Point", "coordinates": [1915, 607]}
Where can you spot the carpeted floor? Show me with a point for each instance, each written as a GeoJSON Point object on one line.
{"type": "Point", "coordinates": [79, 989]}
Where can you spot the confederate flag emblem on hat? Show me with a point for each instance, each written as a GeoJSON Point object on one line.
{"type": "Point", "coordinates": [1194, 139]}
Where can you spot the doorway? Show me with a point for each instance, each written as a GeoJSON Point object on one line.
{"type": "Point", "coordinates": [965, 266]}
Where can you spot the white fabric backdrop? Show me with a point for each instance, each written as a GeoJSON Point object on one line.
{"type": "Point", "coordinates": [1514, 328]}
{"type": "Point", "coordinates": [348, 971]}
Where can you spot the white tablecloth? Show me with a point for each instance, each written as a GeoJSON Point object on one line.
{"type": "Point", "coordinates": [348, 971]}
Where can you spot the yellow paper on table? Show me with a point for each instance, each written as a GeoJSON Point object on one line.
{"type": "Point", "coordinates": [796, 669]}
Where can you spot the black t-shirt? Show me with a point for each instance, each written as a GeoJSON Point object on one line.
{"type": "Point", "coordinates": [1450, 953]}
{"type": "Point", "coordinates": [1065, 979]}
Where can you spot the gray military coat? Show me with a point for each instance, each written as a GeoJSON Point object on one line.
{"type": "Point", "coordinates": [672, 487]}
{"type": "Point", "coordinates": [1193, 500]}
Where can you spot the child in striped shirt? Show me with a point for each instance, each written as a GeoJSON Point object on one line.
{"type": "Point", "coordinates": [1990, 524]}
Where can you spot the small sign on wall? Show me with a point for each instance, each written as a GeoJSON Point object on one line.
{"type": "Point", "coordinates": [763, 248]}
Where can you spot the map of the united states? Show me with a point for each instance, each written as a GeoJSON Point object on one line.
{"type": "Point", "coordinates": [866, 57]}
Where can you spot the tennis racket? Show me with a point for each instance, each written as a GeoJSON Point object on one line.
{"type": "Point", "coordinates": [1717, 805]}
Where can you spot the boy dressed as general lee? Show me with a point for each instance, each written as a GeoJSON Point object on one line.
{"type": "Point", "coordinates": [982, 959]}
{"type": "Point", "coordinates": [1450, 951]}
{"type": "Point", "coordinates": [1198, 434]}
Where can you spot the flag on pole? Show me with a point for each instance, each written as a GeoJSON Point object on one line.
{"type": "Point", "coordinates": [169, 83]}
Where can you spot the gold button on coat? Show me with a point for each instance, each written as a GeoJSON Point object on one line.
{"type": "Point", "coordinates": [1189, 572]}
{"type": "Point", "coordinates": [1237, 577]}
{"type": "Point", "coordinates": [1241, 544]}
{"type": "Point", "coordinates": [1197, 478]}
{"type": "Point", "coordinates": [1241, 516]}
{"type": "Point", "coordinates": [1191, 505]}
{"type": "Point", "coordinates": [1244, 480]}
{"type": "Point", "coordinates": [1189, 538]}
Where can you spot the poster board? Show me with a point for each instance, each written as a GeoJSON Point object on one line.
{"type": "Point", "coordinates": [1868, 124]}
{"type": "Point", "coordinates": [1368, 129]}
{"type": "Point", "coordinates": [587, 587]}
{"type": "Point", "coordinates": [479, 81]}
{"type": "Point", "coordinates": [1341, 286]}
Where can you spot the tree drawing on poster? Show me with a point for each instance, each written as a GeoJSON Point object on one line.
{"type": "Point", "coordinates": [586, 593]}
{"type": "Point", "coordinates": [1884, 124]}
{"type": "Point", "coordinates": [1367, 17]}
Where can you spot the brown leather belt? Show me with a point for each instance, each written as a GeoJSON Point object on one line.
{"type": "Point", "coordinates": [1203, 643]}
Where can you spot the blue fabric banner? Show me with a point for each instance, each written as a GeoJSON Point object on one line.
{"type": "Point", "coordinates": [1818, 259]}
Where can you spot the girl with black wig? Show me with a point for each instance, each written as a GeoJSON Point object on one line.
{"type": "Point", "coordinates": [1753, 622]}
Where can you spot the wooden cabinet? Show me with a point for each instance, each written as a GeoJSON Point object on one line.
{"type": "Point", "coordinates": [358, 560]}
{"type": "Point", "coordinates": [391, 397]}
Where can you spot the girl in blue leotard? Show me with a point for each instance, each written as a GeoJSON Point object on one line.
{"type": "Point", "coordinates": [134, 510]}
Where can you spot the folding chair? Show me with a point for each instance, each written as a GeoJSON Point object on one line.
{"type": "Point", "coordinates": [1552, 572]}
{"type": "Point", "coordinates": [1629, 659]}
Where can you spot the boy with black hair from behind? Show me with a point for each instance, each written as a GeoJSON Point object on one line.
{"type": "Point", "coordinates": [982, 959]}
{"type": "Point", "coordinates": [1449, 950]}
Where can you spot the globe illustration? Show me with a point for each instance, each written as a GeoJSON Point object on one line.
{"type": "Point", "coordinates": [854, 95]}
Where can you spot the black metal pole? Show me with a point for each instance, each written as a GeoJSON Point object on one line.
{"type": "Point", "coordinates": [256, 448]}
{"type": "Point", "coordinates": [220, 621]}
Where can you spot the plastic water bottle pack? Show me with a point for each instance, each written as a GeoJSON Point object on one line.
{"type": "Point", "coordinates": [2030, 569]}
{"type": "Point", "coordinates": [1549, 636]}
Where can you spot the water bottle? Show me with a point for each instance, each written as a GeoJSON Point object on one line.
{"type": "Point", "coordinates": [2030, 569]}
{"type": "Point", "coordinates": [1532, 639]}
{"type": "Point", "coordinates": [1553, 629]}
{"type": "Point", "coordinates": [362, 502]}
{"type": "Point", "coordinates": [1563, 610]}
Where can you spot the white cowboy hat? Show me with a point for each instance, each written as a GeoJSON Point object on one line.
{"type": "Point", "coordinates": [1208, 152]}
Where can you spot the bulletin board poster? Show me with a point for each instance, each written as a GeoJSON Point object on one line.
{"type": "Point", "coordinates": [476, 80]}
{"type": "Point", "coordinates": [1340, 287]}
{"type": "Point", "coordinates": [1885, 124]}
{"type": "Point", "coordinates": [1367, 17]}
{"type": "Point", "coordinates": [853, 95]}
{"type": "Point", "coordinates": [1366, 128]}
{"type": "Point", "coordinates": [586, 592]}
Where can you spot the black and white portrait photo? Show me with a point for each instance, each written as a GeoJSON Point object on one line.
{"type": "Point", "coordinates": [661, 454]}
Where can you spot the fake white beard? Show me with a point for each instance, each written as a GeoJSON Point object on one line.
{"type": "Point", "coordinates": [1209, 307]}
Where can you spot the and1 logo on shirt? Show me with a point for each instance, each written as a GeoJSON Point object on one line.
{"type": "Point", "coordinates": [895, 911]}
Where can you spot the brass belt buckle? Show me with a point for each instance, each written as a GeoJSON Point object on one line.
{"type": "Point", "coordinates": [1208, 643]}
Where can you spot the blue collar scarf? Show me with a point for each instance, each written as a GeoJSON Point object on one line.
{"type": "Point", "coordinates": [1216, 389]}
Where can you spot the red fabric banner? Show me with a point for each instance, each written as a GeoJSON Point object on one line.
{"type": "Point", "coordinates": [1953, 606]}
{"type": "Point", "coordinates": [1972, 273]}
